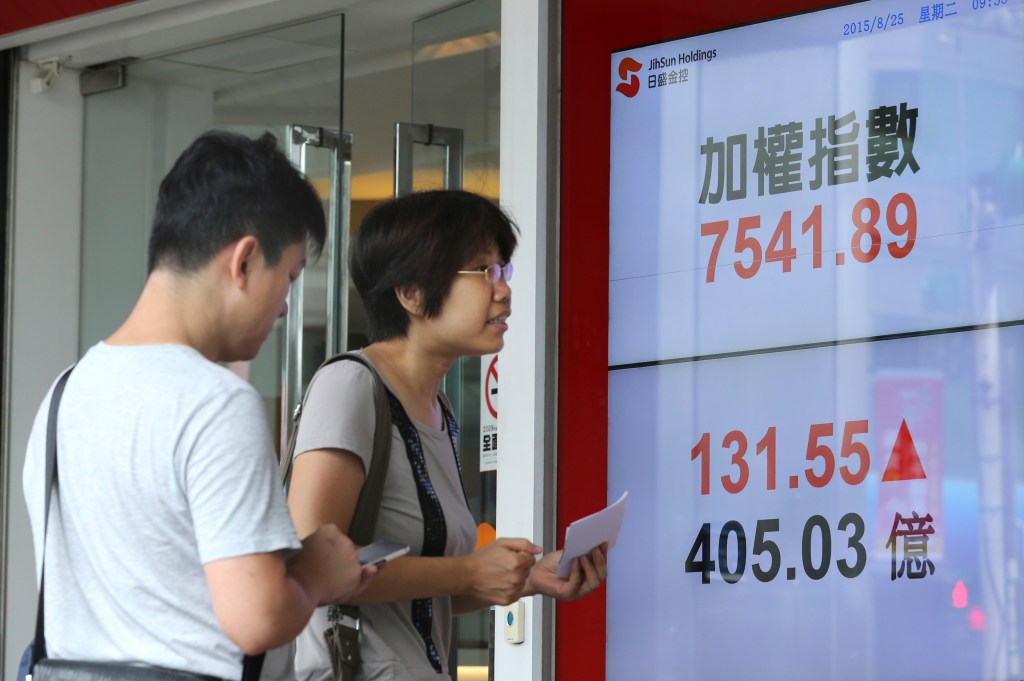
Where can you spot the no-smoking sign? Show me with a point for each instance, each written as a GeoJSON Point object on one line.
{"type": "Point", "coordinates": [489, 413]}
{"type": "Point", "coordinates": [491, 387]}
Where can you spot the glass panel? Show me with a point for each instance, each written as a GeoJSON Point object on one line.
{"type": "Point", "coordinates": [456, 84]}
{"type": "Point", "coordinates": [133, 135]}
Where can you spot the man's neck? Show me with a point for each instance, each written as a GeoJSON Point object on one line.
{"type": "Point", "coordinates": [172, 309]}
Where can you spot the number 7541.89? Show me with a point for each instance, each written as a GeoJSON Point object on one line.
{"type": "Point", "coordinates": [865, 244]}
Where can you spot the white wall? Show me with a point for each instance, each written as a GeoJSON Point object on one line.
{"type": "Point", "coordinates": [44, 309]}
{"type": "Point", "coordinates": [79, 255]}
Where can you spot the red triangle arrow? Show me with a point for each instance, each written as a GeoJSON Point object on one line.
{"type": "Point", "coordinates": [904, 463]}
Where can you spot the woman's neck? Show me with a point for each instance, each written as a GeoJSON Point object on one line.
{"type": "Point", "coordinates": [414, 375]}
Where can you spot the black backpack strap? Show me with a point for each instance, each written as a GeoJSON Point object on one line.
{"type": "Point", "coordinates": [361, 531]}
{"type": "Point", "coordinates": [364, 519]}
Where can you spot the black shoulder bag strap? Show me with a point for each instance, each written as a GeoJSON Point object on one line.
{"type": "Point", "coordinates": [39, 645]}
{"type": "Point", "coordinates": [252, 665]}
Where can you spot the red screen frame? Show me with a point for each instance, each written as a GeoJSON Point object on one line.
{"type": "Point", "coordinates": [19, 15]}
{"type": "Point", "coordinates": [591, 31]}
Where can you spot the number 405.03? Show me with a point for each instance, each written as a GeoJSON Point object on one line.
{"type": "Point", "coordinates": [814, 564]}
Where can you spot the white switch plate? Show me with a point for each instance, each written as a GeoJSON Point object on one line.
{"type": "Point", "coordinates": [515, 622]}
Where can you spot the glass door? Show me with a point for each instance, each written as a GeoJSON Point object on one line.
{"type": "Point", "coordinates": [456, 75]}
{"type": "Point", "coordinates": [287, 80]}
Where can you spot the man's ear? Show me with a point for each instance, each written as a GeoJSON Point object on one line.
{"type": "Point", "coordinates": [411, 298]}
{"type": "Point", "coordinates": [242, 254]}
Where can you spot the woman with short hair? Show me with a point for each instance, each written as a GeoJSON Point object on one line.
{"type": "Point", "coordinates": [433, 270]}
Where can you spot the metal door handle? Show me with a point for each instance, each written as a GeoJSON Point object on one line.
{"type": "Point", "coordinates": [408, 134]}
{"type": "Point", "coordinates": [301, 137]}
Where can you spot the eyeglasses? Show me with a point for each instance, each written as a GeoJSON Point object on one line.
{"type": "Point", "coordinates": [492, 272]}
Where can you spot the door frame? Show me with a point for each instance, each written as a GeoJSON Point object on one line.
{"type": "Point", "coordinates": [7, 80]}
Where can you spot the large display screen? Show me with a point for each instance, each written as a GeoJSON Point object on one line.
{"type": "Point", "coordinates": [816, 348]}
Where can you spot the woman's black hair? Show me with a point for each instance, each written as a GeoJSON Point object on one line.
{"type": "Point", "coordinates": [422, 240]}
{"type": "Point", "coordinates": [225, 186]}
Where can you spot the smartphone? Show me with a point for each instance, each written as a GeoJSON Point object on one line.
{"type": "Point", "coordinates": [380, 552]}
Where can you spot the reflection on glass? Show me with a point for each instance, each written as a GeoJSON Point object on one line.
{"type": "Point", "coordinates": [456, 84]}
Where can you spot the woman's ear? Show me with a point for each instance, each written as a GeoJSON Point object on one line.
{"type": "Point", "coordinates": [410, 297]}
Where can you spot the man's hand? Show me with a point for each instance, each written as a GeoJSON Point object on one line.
{"type": "Point", "coordinates": [263, 600]}
{"type": "Point", "coordinates": [328, 559]}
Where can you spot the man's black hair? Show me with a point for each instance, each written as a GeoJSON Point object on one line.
{"type": "Point", "coordinates": [422, 240]}
{"type": "Point", "coordinates": [225, 186]}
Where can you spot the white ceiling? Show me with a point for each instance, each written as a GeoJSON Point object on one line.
{"type": "Point", "coordinates": [375, 29]}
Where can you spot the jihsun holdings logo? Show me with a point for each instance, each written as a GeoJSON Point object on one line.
{"type": "Point", "coordinates": [627, 69]}
{"type": "Point", "coordinates": [661, 72]}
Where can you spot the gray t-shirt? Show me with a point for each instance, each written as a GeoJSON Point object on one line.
{"type": "Point", "coordinates": [165, 463]}
{"type": "Point", "coordinates": [339, 414]}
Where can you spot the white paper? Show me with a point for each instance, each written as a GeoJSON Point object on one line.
{"type": "Point", "coordinates": [587, 533]}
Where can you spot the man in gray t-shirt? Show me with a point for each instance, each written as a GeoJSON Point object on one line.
{"type": "Point", "coordinates": [168, 533]}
